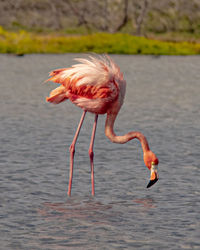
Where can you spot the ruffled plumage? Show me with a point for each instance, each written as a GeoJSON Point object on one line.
{"type": "Point", "coordinates": [93, 84]}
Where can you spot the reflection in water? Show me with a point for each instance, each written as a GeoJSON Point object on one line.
{"type": "Point", "coordinates": [93, 211]}
{"type": "Point", "coordinates": [76, 221]}
{"type": "Point", "coordinates": [147, 203]}
{"type": "Point", "coordinates": [88, 210]}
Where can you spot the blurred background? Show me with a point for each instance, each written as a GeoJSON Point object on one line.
{"type": "Point", "coordinates": [170, 20]}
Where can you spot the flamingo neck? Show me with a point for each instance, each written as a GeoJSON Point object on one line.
{"type": "Point", "coordinates": [109, 132]}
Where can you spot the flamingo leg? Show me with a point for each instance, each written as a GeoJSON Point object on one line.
{"type": "Point", "coordinates": [91, 153]}
{"type": "Point", "coordinates": [72, 152]}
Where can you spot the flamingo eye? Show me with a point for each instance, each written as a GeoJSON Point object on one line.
{"type": "Point", "coordinates": [155, 162]}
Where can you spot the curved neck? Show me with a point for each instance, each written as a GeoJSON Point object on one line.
{"type": "Point", "coordinates": [109, 132]}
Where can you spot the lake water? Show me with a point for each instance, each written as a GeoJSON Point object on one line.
{"type": "Point", "coordinates": [162, 101]}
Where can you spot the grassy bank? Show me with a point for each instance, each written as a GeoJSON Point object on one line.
{"type": "Point", "coordinates": [24, 42]}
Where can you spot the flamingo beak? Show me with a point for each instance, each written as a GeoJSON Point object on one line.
{"type": "Point", "coordinates": [154, 175]}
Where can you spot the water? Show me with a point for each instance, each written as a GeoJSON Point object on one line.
{"type": "Point", "coordinates": [162, 101]}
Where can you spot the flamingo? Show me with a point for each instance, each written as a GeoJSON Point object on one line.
{"type": "Point", "coordinates": [96, 85]}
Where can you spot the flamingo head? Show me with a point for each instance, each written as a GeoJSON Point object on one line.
{"type": "Point", "coordinates": [151, 161]}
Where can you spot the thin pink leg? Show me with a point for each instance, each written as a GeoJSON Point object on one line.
{"type": "Point", "coordinates": [91, 153]}
{"type": "Point", "coordinates": [72, 152]}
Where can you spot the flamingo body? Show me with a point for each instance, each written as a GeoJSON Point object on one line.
{"type": "Point", "coordinates": [97, 85]}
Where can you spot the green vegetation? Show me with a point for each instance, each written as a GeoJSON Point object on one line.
{"type": "Point", "coordinates": [23, 42]}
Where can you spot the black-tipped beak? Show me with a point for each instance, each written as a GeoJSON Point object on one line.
{"type": "Point", "coordinates": [151, 182]}
{"type": "Point", "coordinates": [154, 175]}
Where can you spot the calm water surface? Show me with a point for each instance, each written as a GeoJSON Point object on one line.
{"type": "Point", "coordinates": [162, 101]}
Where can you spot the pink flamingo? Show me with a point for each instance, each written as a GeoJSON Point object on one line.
{"type": "Point", "coordinates": [96, 85]}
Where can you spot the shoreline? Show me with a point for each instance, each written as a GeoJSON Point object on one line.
{"type": "Point", "coordinates": [25, 42]}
